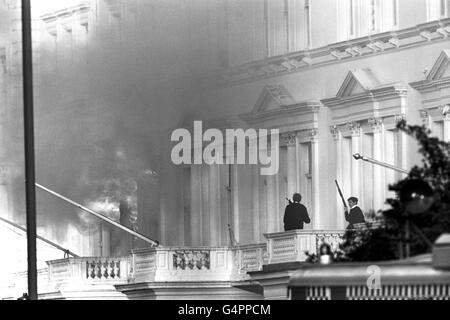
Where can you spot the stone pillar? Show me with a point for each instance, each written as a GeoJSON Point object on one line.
{"type": "Point", "coordinates": [256, 207]}
{"type": "Point", "coordinates": [425, 118]}
{"type": "Point", "coordinates": [446, 127]}
{"type": "Point", "coordinates": [292, 174]}
{"type": "Point", "coordinates": [235, 200]}
{"type": "Point", "coordinates": [337, 136]}
{"type": "Point", "coordinates": [355, 131]}
{"type": "Point", "coordinates": [379, 184]}
{"type": "Point", "coordinates": [196, 206]}
{"type": "Point", "coordinates": [402, 154]}
{"type": "Point", "coordinates": [272, 208]}
{"type": "Point", "coordinates": [315, 197]}
{"type": "Point", "coordinates": [205, 204]}
{"type": "Point", "coordinates": [214, 205]}
{"type": "Point", "coordinates": [106, 240]}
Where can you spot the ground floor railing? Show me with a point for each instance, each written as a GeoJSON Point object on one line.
{"type": "Point", "coordinates": [415, 279]}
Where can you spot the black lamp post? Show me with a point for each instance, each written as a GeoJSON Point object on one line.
{"type": "Point", "coordinates": [30, 191]}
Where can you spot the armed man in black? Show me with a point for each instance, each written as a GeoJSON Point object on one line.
{"type": "Point", "coordinates": [295, 214]}
{"type": "Point", "coordinates": [355, 215]}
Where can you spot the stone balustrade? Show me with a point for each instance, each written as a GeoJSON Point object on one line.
{"type": "Point", "coordinates": [85, 271]}
{"type": "Point", "coordinates": [292, 245]}
{"type": "Point", "coordinates": [189, 264]}
{"type": "Point", "coordinates": [251, 257]}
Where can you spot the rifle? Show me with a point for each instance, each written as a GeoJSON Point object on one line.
{"type": "Point", "coordinates": [290, 201]}
{"type": "Point", "coordinates": [340, 193]}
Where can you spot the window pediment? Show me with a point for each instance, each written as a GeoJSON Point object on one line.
{"type": "Point", "coordinates": [358, 81]}
{"type": "Point", "coordinates": [362, 96]}
{"type": "Point", "coordinates": [441, 67]}
{"type": "Point", "coordinates": [273, 97]}
{"type": "Point", "coordinates": [438, 77]}
{"type": "Point", "coordinates": [276, 108]}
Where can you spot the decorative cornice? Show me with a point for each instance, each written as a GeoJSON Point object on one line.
{"type": "Point", "coordinates": [65, 17]}
{"type": "Point", "coordinates": [426, 33]}
{"type": "Point", "coordinates": [297, 109]}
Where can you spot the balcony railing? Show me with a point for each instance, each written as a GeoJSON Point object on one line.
{"type": "Point", "coordinates": [194, 263]}
{"type": "Point", "coordinates": [413, 279]}
{"type": "Point", "coordinates": [88, 271]}
{"type": "Point", "coordinates": [292, 246]}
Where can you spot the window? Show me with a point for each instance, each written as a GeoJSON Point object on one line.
{"type": "Point", "coordinates": [308, 23]}
{"type": "Point", "coordinates": [437, 9]}
{"type": "Point", "coordinates": [358, 18]}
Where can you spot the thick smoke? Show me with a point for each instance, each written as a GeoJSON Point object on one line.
{"type": "Point", "coordinates": [105, 104]}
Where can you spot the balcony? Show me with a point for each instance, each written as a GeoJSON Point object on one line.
{"type": "Point", "coordinates": [272, 270]}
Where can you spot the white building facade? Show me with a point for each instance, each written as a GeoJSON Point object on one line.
{"type": "Point", "coordinates": [334, 77]}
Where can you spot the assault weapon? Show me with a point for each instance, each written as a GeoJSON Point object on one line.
{"type": "Point", "coordinates": [340, 194]}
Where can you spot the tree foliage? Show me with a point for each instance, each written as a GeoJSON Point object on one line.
{"type": "Point", "coordinates": [383, 243]}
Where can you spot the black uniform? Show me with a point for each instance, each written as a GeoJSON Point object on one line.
{"type": "Point", "coordinates": [354, 216]}
{"type": "Point", "coordinates": [294, 216]}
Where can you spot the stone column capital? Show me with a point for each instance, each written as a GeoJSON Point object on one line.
{"type": "Point", "coordinates": [354, 128]}
{"type": "Point", "coordinates": [314, 135]}
{"type": "Point", "coordinates": [376, 124]}
{"type": "Point", "coordinates": [335, 132]}
{"type": "Point", "coordinates": [425, 116]}
{"type": "Point", "coordinates": [445, 112]}
{"type": "Point", "coordinates": [399, 117]}
{"type": "Point", "coordinates": [289, 139]}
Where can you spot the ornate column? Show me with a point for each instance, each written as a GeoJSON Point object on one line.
{"type": "Point", "coordinates": [235, 200]}
{"type": "Point", "coordinates": [379, 184]}
{"type": "Point", "coordinates": [446, 117]}
{"type": "Point", "coordinates": [206, 209]}
{"type": "Point", "coordinates": [355, 131]}
{"type": "Point", "coordinates": [290, 140]}
{"type": "Point", "coordinates": [272, 208]}
{"type": "Point", "coordinates": [403, 158]}
{"type": "Point", "coordinates": [256, 207]}
{"type": "Point", "coordinates": [315, 197]}
{"type": "Point", "coordinates": [337, 136]}
{"type": "Point", "coordinates": [425, 118]}
{"type": "Point", "coordinates": [196, 206]}
{"type": "Point", "coordinates": [214, 205]}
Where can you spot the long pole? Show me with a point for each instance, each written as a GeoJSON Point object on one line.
{"type": "Point", "coordinates": [66, 251]}
{"type": "Point", "coordinates": [100, 216]}
{"type": "Point", "coordinates": [357, 156]}
{"type": "Point", "coordinates": [30, 190]}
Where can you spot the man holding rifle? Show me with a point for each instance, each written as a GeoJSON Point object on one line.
{"type": "Point", "coordinates": [295, 214]}
{"type": "Point", "coordinates": [355, 215]}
